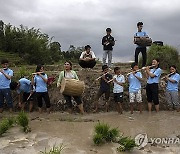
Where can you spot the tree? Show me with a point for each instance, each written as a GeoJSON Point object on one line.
{"type": "Point", "coordinates": [167, 55]}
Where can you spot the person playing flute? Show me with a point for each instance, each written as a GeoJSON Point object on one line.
{"type": "Point", "coordinates": [40, 82]}
{"type": "Point", "coordinates": [118, 89]}
{"type": "Point", "coordinates": [135, 78]}
{"type": "Point", "coordinates": [172, 95]}
{"type": "Point", "coordinates": [104, 87]}
{"type": "Point", "coordinates": [5, 79]}
{"type": "Point", "coordinates": [153, 76]}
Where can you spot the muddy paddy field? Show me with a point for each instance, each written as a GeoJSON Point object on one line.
{"type": "Point", "coordinates": [76, 131]}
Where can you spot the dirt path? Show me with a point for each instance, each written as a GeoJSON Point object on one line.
{"type": "Point", "coordinates": [76, 132]}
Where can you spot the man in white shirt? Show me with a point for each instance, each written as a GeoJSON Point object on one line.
{"type": "Point", "coordinates": [87, 58]}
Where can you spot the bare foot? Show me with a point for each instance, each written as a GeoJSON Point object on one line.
{"type": "Point", "coordinates": [95, 110]}
{"type": "Point", "coordinates": [178, 110]}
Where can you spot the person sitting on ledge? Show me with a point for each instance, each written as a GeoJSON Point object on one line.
{"type": "Point", "coordinates": [87, 58]}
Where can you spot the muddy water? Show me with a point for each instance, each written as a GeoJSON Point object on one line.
{"type": "Point", "coordinates": [76, 131]}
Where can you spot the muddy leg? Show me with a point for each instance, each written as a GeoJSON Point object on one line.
{"type": "Point", "coordinates": [22, 106]}
{"type": "Point", "coordinates": [157, 108]}
{"type": "Point", "coordinates": [30, 106]}
{"type": "Point", "coordinates": [140, 107]}
{"type": "Point", "coordinates": [149, 106]}
{"type": "Point", "coordinates": [120, 108]}
{"type": "Point", "coordinates": [131, 107]}
{"type": "Point", "coordinates": [107, 106]}
{"type": "Point", "coordinates": [48, 110]}
{"type": "Point", "coordinates": [40, 110]}
{"type": "Point", "coordinates": [95, 106]}
{"type": "Point", "coordinates": [81, 108]}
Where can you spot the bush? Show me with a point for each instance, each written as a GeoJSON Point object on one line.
{"type": "Point", "coordinates": [167, 55]}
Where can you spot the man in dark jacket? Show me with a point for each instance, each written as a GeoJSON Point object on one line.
{"type": "Point", "coordinates": [108, 43]}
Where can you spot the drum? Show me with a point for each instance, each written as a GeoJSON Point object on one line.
{"type": "Point", "coordinates": [72, 87]}
{"type": "Point", "coordinates": [143, 41]}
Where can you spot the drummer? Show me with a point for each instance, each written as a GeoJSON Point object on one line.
{"type": "Point", "coordinates": [70, 74]}
{"type": "Point", "coordinates": [139, 48]}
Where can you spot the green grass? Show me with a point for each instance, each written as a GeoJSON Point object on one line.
{"type": "Point", "coordinates": [5, 124]}
{"type": "Point", "coordinates": [126, 144]}
{"type": "Point", "coordinates": [23, 121]}
{"type": "Point", "coordinates": [103, 134]}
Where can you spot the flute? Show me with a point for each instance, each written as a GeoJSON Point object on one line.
{"type": "Point", "coordinates": [37, 72]}
{"type": "Point", "coordinates": [168, 75]}
{"type": "Point", "coordinates": [143, 68]}
{"type": "Point", "coordinates": [110, 80]}
{"type": "Point", "coordinates": [101, 76]}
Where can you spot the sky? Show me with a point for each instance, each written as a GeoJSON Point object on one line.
{"type": "Point", "coordinates": [82, 22]}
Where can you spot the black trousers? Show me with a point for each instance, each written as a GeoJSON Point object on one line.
{"type": "Point", "coordinates": [152, 93]}
{"type": "Point", "coordinates": [45, 96]}
{"type": "Point", "coordinates": [69, 102]}
{"type": "Point", "coordinates": [144, 55]}
{"type": "Point", "coordinates": [87, 64]}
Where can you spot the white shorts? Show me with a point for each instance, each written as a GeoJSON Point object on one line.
{"type": "Point", "coordinates": [135, 96]}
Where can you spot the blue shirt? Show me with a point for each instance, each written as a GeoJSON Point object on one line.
{"type": "Point", "coordinates": [173, 86]}
{"type": "Point", "coordinates": [25, 86]}
{"type": "Point", "coordinates": [118, 88]}
{"type": "Point", "coordinates": [141, 34]}
{"type": "Point", "coordinates": [40, 85]}
{"type": "Point", "coordinates": [134, 83]}
{"type": "Point", "coordinates": [4, 82]}
{"type": "Point", "coordinates": [157, 73]}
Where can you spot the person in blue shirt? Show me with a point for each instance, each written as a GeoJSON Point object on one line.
{"type": "Point", "coordinates": [135, 79]}
{"type": "Point", "coordinates": [5, 80]}
{"type": "Point", "coordinates": [153, 75]}
{"type": "Point", "coordinates": [39, 80]}
{"type": "Point", "coordinates": [172, 95]}
{"type": "Point", "coordinates": [118, 80]}
{"type": "Point", "coordinates": [139, 48]}
{"type": "Point", "coordinates": [24, 87]}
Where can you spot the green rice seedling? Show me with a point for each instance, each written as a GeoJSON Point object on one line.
{"type": "Point", "coordinates": [127, 142]}
{"type": "Point", "coordinates": [112, 134]}
{"type": "Point", "coordinates": [102, 128]}
{"type": "Point", "coordinates": [23, 121]}
{"type": "Point", "coordinates": [104, 133]}
{"type": "Point", "coordinates": [98, 139]}
{"type": "Point", "coordinates": [4, 126]}
{"type": "Point", "coordinates": [11, 121]}
{"type": "Point", "coordinates": [54, 150]}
